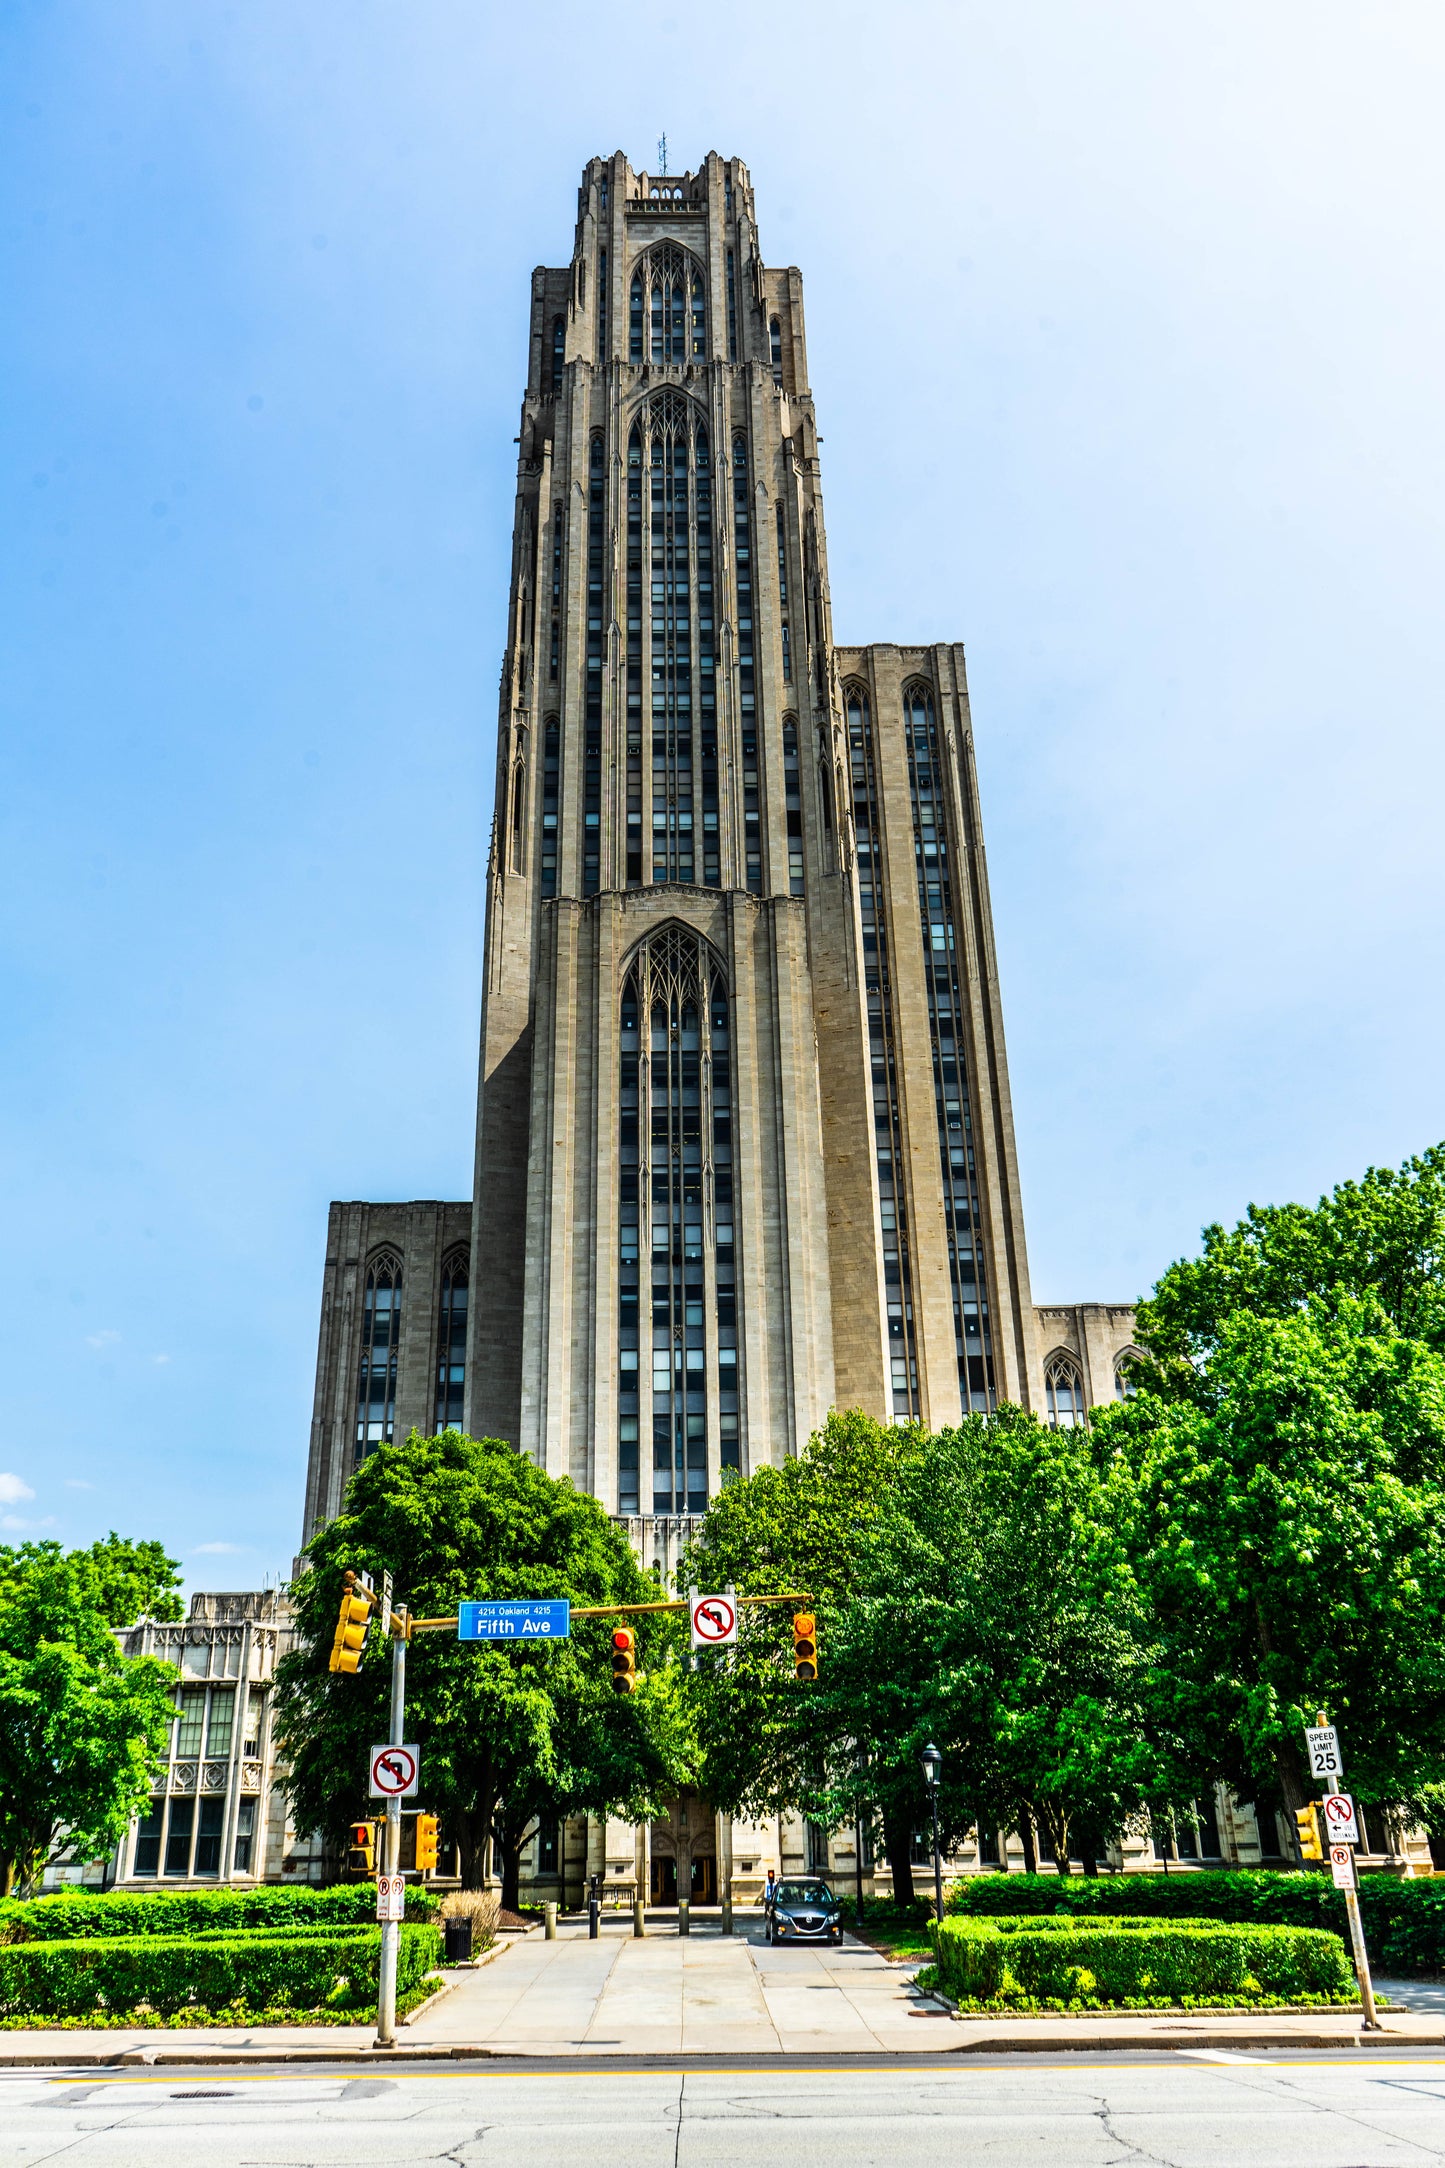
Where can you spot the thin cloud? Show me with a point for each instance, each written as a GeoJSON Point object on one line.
{"type": "Point", "coordinates": [216, 1550]}
{"type": "Point", "coordinates": [12, 1489]}
{"type": "Point", "coordinates": [106, 1338]}
{"type": "Point", "coordinates": [75, 1482]}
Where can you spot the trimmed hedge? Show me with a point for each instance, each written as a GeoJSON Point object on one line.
{"type": "Point", "coordinates": [169, 1973]}
{"type": "Point", "coordinates": [74, 1914]}
{"type": "Point", "coordinates": [1004, 1963]}
{"type": "Point", "coordinates": [1404, 1921]}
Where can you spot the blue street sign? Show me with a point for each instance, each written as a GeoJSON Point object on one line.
{"type": "Point", "coordinates": [548, 1618]}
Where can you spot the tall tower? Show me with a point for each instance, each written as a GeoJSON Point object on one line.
{"type": "Point", "coordinates": [744, 1144]}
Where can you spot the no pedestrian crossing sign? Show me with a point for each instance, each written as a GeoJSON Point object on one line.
{"type": "Point", "coordinates": [714, 1621]}
{"type": "Point", "coordinates": [394, 1771]}
{"type": "Point", "coordinates": [1322, 1744]}
{"type": "Point", "coordinates": [546, 1619]}
{"type": "Point", "coordinates": [1341, 1826]}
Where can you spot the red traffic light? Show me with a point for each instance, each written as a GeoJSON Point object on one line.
{"type": "Point", "coordinates": [624, 1660]}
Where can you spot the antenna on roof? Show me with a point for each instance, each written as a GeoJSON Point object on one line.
{"type": "Point", "coordinates": [662, 152]}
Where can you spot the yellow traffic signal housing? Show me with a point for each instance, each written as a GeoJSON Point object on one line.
{"type": "Point", "coordinates": [350, 1626]}
{"type": "Point", "coordinates": [361, 1852]}
{"type": "Point", "coordinates": [805, 1645]}
{"type": "Point", "coordinates": [426, 1843]}
{"type": "Point", "coordinates": [624, 1660]}
{"type": "Point", "coordinates": [1307, 1822]}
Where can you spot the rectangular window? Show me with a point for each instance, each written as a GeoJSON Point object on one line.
{"type": "Point", "coordinates": [192, 1710]}
{"type": "Point", "coordinates": [223, 1711]}
{"type": "Point", "coordinates": [245, 1834]}
{"type": "Point", "coordinates": [255, 1725]}
{"type": "Point", "coordinates": [209, 1831]}
{"type": "Point", "coordinates": [548, 1848]}
{"type": "Point", "coordinates": [178, 1837]}
{"type": "Point", "coordinates": [146, 1858]}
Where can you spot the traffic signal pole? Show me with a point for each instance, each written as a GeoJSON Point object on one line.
{"type": "Point", "coordinates": [391, 1929]}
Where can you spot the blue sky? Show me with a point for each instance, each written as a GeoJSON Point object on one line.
{"type": "Point", "coordinates": [1125, 332]}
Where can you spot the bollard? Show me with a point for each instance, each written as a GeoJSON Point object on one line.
{"type": "Point", "coordinates": [727, 1908]}
{"type": "Point", "coordinates": [639, 1918]}
{"type": "Point", "coordinates": [684, 1916]}
{"type": "Point", "coordinates": [549, 1923]}
{"type": "Point", "coordinates": [594, 1919]}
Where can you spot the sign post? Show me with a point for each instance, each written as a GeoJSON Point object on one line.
{"type": "Point", "coordinates": [1323, 1742]}
{"type": "Point", "coordinates": [394, 1770]}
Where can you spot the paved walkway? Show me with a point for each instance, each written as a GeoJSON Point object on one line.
{"type": "Point", "coordinates": [710, 1994]}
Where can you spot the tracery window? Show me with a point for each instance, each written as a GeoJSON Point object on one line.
{"type": "Point", "coordinates": [670, 608]}
{"type": "Point", "coordinates": [938, 913]}
{"type": "Point", "coordinates": [882, 1034]}
{"type": "Point", "coordinates": [451, 1343]}
{"type": "Point", "coordinates": [380, 1338]}
{"type": "Point", "coordinates": [1126, 1374]}
{"type": "Point", "coordinates": [677, 1277]}
{"type": "Point", "coordinates": [667, 316]}
{"type": "Point", "coordinates": [1063, 1393]}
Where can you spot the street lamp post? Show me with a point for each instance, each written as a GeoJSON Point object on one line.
{"type": "Point", "coordinates": [932, 1769]}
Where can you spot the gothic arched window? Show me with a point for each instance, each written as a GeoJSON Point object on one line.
{"type": "Point", "coordinates": [1063, 1392]}
{"type": "Point", "coordinates": [380, 1336]}
{"type": "Point", "coordinates": [1126, 1374]}
{"type": "Point", "coordinates": [671, 645]}
{"type": "Point", "coordinates": [451, 1342]}
{"type": "Point", "coordinates": [775, 347]}
{"type": "Point", "coordinates": [678, 1286]}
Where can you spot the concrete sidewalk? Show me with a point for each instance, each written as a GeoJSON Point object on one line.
{"type": "Point", "coordinates": [711, 1995]}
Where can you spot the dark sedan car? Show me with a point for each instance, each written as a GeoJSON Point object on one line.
{"type": "Point", "coordinates": [804, 1911]}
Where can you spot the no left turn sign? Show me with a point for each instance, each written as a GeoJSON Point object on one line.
{"type": "Point", "coordinates": [714, 1621]}
{"type": "Point", "coordinates": [394, 1771]}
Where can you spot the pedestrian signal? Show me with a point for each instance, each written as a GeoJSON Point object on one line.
{"type": "Point", "coordinates": [805, 1645]}
{"type": "Point", "coordinates": [1307, 1822]}
{"type": "Point", "coordinates": [426, 1843]}
{"type": "Point", "coordinates": [350, 1626]}
{"type": "Point", "coordinates": [624, 1660]}
{"type": "Point", "coordinates": [361, 1852]}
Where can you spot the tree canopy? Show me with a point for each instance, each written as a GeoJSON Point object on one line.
{"type": "Point", "coordinates": [127, 1580]}
{"type": "Point", "coordinates": [83, 1729]}
{"type": "Point", "coordinates": [506, 1733]}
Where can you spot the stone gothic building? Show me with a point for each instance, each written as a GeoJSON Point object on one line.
{"type": "Point", "coordinates": [745, 1146]}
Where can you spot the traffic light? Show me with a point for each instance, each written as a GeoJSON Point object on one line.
{"type": "Point", "coordinates": [624, 1660]}
{"type": "Point", "coordinates": [805, 1645]}
{"type": "Point", "coordinates": [351, 1625]}
{"type": "Point", "coordinates": [1307, 1821]}
{"type": "Point", "coordinates": [426, 1843]}
{"type": "Point", "coordinates": [361, 1852]}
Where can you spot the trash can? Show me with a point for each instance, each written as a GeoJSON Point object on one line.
{"type": "Point", "coordinates": [458, 1933]}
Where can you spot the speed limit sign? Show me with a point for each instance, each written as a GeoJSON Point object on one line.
{"type": "Point", "coordinates": [1322, 1743]}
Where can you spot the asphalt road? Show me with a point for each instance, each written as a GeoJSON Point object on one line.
{"type": "Point", "coordinates": [1176, 2111]}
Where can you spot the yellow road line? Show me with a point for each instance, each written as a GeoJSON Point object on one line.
{"type": "Point", "coordinates": [189, 2073]}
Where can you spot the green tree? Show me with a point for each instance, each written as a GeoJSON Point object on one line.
{"type": "Point", "coordinates": [997, 1616]}
{"type": "Point", "coordinates": [506, 1733]}
{"type": "Point", "coordinates": [128, 1580]}
{"type": "Point", "coordinates": [1286, 1518]}
{"type": "Point", "coordinates": [802, 1527]}
{"type": "Point", "coordinates": [1373, 1249]}
{"type": "Point", "coordinates": [83, 1729]}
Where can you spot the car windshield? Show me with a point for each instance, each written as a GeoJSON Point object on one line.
{"type": "Point", "coordinates": [804, 1893]}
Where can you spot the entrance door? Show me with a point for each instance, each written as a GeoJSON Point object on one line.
{"type": "Point", "coordinates": [664, 1880]}
{"type": "Point", "coordinates": [704, 1881]}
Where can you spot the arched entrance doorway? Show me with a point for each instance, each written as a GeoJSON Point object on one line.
{"type": "Point", "coordinates": [684, 1853]}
